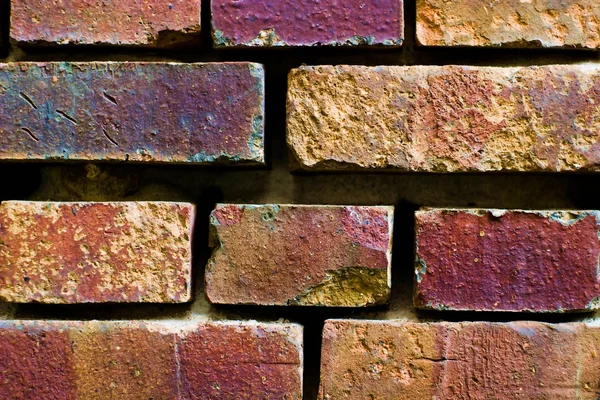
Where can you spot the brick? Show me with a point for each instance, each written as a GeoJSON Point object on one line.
{"type": "Point", "coordinates": [498, 260]}
{"type": "Point", "coordinates": [130, 111]}
{"type": "Point", "coordinates": [300, 255]}
{"type": "Point", "coordinates": [263, 361]}
{"type": "Point", "coordinates": [160, 360]}
{"type": "Point", "coordinates": [258, 23]}
{"type": "Point", "coordinates": [150, 23]}
{"type": "Point", "coordinates": [510, 23]}
{"type": "Point", "coordinates": [95, 252]}
{"type": "Point", "coordinates": [445, 118]}
{"type": "Point", "coordinates": [471, 360]}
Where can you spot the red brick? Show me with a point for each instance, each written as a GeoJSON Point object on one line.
{"type": "Point", "coordinates": [498, 260]}
{"type": "Point", "coordinates": [152, 23]}
{"type": "Point", "coordinates": [472, 360]}
{"type": "Point", "coordinates": [445, 118]}
{"type": "Point", "coordinates": [35, 362]}
{"type": "Point", "coordinates": [296, 23]}
{"type": "Point", "coordinates": [242, 361]}
{"type": "Point", "coordinates": [510, 23]}
{"type": "Point", "coordinates": [300, 255]}
{"type": "Point", "coordinates": [95, 252]}
{"type": "Point", "coordinates": [130, 111]}
{"type": "Point", "coordinates": [159, 360]}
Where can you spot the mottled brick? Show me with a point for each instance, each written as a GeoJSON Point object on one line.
{"type": "Point", "coordinates": [472, 360]}
{"type": "Point", "coordinates": [445, 118]}
{"type": "Point", "coordinates": [95, 252]}
{"type": "Point", "coordinates": [498, 260]}
{"type": "Point", "coordinates": [297, 23]}
{"type": "Point", "coordinates": [151, 23]}
{"type": "Point", "coordinates": [124, 361]}
{"type": "Point", "coordinates": [242, 361]}
{"type": "Point", "coordinates": [132, 111]}
{"type": "Point", "coordinates": [510, 23]}
{"type": "Point", "coordinates": [150, 360]}
{"type": "Point", "coordinates": [300, 255]}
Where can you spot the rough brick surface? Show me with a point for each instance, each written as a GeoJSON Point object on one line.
{"type": "Point", "coordinates": [95, 252]}
{"type": "Point", "coordinates": [299, 23]}
{"type": "Point", "coordinates": [445, 119]}
{"type": "Point", "coordinates": [512, 23]}
{"type": "Point", "coordinates": [300, 255]}
{"type": "Point", "coordinates": [499, 260]}
{"type": "Point", "coordinates": [152, 23]}
{"type": "Point", "coordinates": [263, 361]}
{"type": "Point", "coordinates": [476, 360]}
{"type": "Point", "coordinates": [134, 360]}
{"type": "Point", "coordinates": [152, 112]}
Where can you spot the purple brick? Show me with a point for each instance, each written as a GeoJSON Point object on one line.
{"type": "Point", "coordinates": [260, 23]}
{"type": "Point", "coordinates": [140, 112]}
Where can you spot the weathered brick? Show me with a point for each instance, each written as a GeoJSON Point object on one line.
{"type": "Point", "coordinates": [498, 260]}
{"type": "Point", "coordinates": [300, 255]}
{"type": "Point", "coordinates": [128, 111]}
{"type": "Point", "coordinates": [471, 360]}
{"type": "Point", "coordinates": [242, 361]}
{"type": "Point", "coordinates": [152, 23]}
{"type": "Point", "coordinates": [445, 118]}
{"type": "Point", "coordinates": [95, 252]}
{"type": "Point", "coordinates": [135, 360]}
{"type": "Point", "coordinates": [297, 23]}
{"type": "Point", "coordinates": [511, 23]}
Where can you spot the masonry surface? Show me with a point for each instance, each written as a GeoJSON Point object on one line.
{"type": "Point", "coordinates": [225, 199]}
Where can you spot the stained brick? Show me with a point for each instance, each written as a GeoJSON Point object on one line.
{"type": "Point", "coordinates": [160, 360]}
{"type": "Point", "coordinates": [300, 255]}
{"type": "Point", "coordinates": [95, 252]}
{"type": "Point", "coordinates": [405, 360]}
{"type": "Point", "coordinates": [510, 23]}
{"type": "Point", "coordinates": [242, 361]}
{"type": "Point", "coordinates": [498, 260]}
{"type": "Point", "coordinates": [295, 23]}
{"type": "Point", "coordinates": [151, 23]}
{"type": "Point", "coordinates": [129, 111]}
{"type": "Point", "coordinates": [445, 118]}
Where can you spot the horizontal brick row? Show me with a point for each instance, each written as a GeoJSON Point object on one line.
{"type": "Point", "coordinates": [445, 118]}
{"type": "Point", "coordinates": [300, 255]}
{"type": "Point", "coordinates": [150, 360]}
{"type": "Point", "coordinates": [337, 256]}
{"type": "Point", "coordinates": [498, 260]}
{"type": "Point", "coordinates": [149, 23]}
{"type": "Point", "coordinates": [471, 360]}
{"type": "Point", "coordinates": [510, 23]}
{"type": "Point", "coordinates": [132, 111]}
{"type": "Point", "coordinates": [254, 23]}
{"type": "Point", "coordinates": [95, 252]}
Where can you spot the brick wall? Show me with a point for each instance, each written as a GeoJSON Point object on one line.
{"type": "Point", "coordinates": [249, 199]}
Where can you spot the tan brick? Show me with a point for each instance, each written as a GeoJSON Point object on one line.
{"type": "Point", "coordinates": [445, 118]}
{"type": "Point", "coordinates": [300, 255]}
{"type": "Point", "coordinates": [152, 23]}
{"type": "Point", "coordinates": [510, 23]}
{"type": "Point", "coordinates": [471, 360]}
{"type": "Point", "coordinates": [95, 252]}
